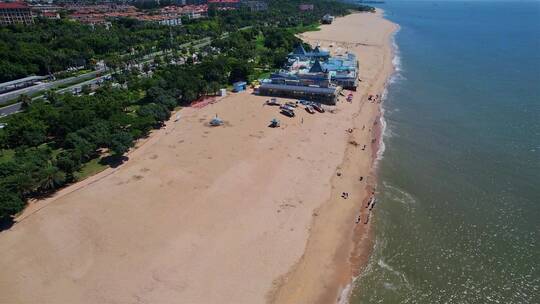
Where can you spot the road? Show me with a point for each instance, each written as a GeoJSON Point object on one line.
{"type": "Point", "coordinates": [46, 86]}
{"type": "Point", "coordinates": [49, 85]}
{"type": "Point", "coordinates": [14, 108]}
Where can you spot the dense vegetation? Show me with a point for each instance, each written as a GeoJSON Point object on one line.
{"type": "Point", "coordinates": [51, 46]}
{"type": "Point", "coordinates": [47, 145]}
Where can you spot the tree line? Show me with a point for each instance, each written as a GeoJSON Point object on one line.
{"type": "Point", "coordinates": [52, 46]}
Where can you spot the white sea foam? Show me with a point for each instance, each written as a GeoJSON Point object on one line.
{"type": "Point", "coordinates": [395, 77]}
{"type": "Point", "coordinates": [345, 293]}
{"type": "Point", "coordinates": [399, 195]}
{"type": "Point", "coordinates": [389, 268]}
{"type": "Point", "coordinates": [382, 146]}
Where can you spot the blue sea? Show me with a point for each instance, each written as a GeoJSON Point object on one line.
{"type": "Point", "coordinates": [458, 219]}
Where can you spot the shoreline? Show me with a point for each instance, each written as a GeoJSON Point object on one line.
{"type": "Point", "coordinates": [213, 215]}
{"type": "Point", "coordinates": [353, 252]}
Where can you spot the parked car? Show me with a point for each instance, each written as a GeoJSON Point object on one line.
{"type": "Point", "coordinates": [287, 112]}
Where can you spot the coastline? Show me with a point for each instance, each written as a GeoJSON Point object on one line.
{"type": "Point", "coordinates": [197, 209]}
{"type": "Point", "coordinates": [345, 251]}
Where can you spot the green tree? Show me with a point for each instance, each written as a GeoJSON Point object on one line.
{"type": "Point", "coordinates": [50, 177]}
{"type": "Point", "coordinates": [120, 143]}
{"type": "Point", "coordinates": [10, 203]}
{"type": "Point", "coordinates": [86, 89]}
{"type": "Point", "coordinates": [25, 101]}
{"type": "Point", "coordinates": [22, 130]}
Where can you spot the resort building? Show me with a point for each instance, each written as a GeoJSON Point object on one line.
{"type": "Point", "coordinates": [313, 75]}
{"type": "Point", "coordinates": [256, 6]}
{"type": "Point", "coordinates": [169, 15]}
{"type": "Point", "coordinates": [306, 7]}
{"type": "Point", "coordinates": [15, 13]}
{"type": "Point", "coordinates": [318, 68]}
{"type": "Point", "coordinates": [225, 4]}
{"type": "Point", "coordinates": [299, 53]}
{"type": "Point", "coordinates": [328, 95]}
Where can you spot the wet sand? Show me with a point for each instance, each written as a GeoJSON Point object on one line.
{"type": "Point", "coordinates": [240, 213]}
{"type": "Point", "coordinates": [338, 247]}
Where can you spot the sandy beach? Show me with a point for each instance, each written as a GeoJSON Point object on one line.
{"type": "Point", "coordinates": [241, 213]}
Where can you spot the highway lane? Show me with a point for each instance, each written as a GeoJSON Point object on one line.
{"type": "Point", "coordinates": [8, 110]}
{"type": "Point", "coordinates": [45, 86]}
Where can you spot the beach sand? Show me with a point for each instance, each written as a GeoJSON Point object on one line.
{"type": "Point", "coordinates": [240, 213]}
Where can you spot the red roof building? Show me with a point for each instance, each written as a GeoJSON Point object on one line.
{"type": "Point", "coordinates": [15, 12]}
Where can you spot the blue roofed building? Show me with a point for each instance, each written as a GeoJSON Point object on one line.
{"type": "Point", "coordinates": [300, 53]}
{"type": "Point", "coordinates": [313, 75]}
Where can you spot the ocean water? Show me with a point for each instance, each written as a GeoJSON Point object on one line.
{"type": "Point", "coordinates": [458, 219]}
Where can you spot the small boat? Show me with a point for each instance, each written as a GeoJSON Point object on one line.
{"type": "Point", "coordinates": [318, 107]}
{"type": "Point", "coordinates": [287, 112]}
{"type": "Point", "coordinates": [272, 102]}
{"type": "Point", "coordinates": [216, 121]}
{"type": "Point", "coordinates": [310, 110]}
{"type": "Point", "coordinates": [274, 123]}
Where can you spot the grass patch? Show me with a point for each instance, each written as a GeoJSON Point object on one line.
{"type": "Point", "coordinates": [132, 108]}
{"type": "Point", "coordinates": [9, 102]}
{"type": "Point", "coordinates": [306, 28]}
{"type": "Point", "coordinates": [6, 155]}
{"type": "Point", "coordinates": [90, 168]}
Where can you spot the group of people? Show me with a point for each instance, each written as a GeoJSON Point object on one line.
{"type": "Point", "coordinates": [374, 98]}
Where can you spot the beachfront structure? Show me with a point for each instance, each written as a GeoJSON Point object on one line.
{"type": "Point", "coordinates": [313, 75]}
{"type": "Point", "coordinates": [318, 68]}
{"type": "Point", "coordinates": [326, 95]}
{"type": "Point", "coordinates": [300, 53]}
{"type": "Point", "coordinates": [15, 13]}
{"type": "Point", "coordinates": [327, 19]}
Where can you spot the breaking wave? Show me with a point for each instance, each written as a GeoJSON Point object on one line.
{"type": "Point", "coordinates": [395, 77]}
{"type": "Point", "coordinates": [396, 194]}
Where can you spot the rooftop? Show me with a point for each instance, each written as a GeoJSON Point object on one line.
{"type": "Point", "coordinates": [13, 5]}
